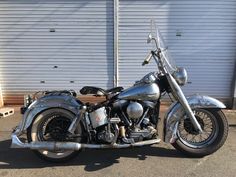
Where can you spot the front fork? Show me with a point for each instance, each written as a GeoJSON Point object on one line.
{"type": "Point", "coordinates": [178, 93]}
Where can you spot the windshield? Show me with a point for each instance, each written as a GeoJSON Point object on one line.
{"type": "Point", "coordinates": [165, 54]}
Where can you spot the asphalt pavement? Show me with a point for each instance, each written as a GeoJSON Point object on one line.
{"type": "Point", "coordinates": [157, 160]}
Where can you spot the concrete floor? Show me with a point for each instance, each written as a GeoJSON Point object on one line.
{"type": "Point", "coordinates": [157, 160]}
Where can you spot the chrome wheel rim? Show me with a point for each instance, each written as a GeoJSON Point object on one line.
{"type": "Point", "coordinates": [188, 136]}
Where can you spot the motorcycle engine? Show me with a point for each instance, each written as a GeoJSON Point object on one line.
{"type": "Point", "coordinates": [142, 128]}
{"type": "Point", "coordinates": [138, 116]}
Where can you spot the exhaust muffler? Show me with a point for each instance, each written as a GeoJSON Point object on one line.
{"type": "Point", "coordinates": [56, 146]}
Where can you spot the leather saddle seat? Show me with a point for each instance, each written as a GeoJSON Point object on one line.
{"type": "Point", "coordinates": [99, 91]}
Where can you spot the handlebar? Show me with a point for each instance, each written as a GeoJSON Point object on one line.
{"type": "Point", "coordinates": [157, 57]}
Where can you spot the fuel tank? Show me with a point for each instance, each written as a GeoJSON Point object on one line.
{"type": "Point", "coordinates": [149, 91]}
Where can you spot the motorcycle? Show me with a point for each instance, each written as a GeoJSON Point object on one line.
{"type": "Point", "coordinates": [58, 125]}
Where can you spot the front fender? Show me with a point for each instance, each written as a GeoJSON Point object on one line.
{"type": "Point", "coordinates": [176, 112]}
{"type": "Point", "coordinates": [67, 102]}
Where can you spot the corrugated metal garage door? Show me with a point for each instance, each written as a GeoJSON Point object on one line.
{"type": "Point", "coordinates": [55, 44]}
{"type": "Point", "coordinates": [200, 34]}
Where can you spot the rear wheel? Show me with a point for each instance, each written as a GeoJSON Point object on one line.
{"type": "Point", "coordinates": [52, 125]}
{"type": "Point", "coordinates": [215, 131]}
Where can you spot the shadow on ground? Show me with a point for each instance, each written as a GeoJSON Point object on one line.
{"type": "Point", "coordinates": [92, 159]}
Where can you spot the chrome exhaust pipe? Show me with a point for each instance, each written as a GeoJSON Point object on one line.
{"type": "Point", "coordinates": [51, 146]}
{"type": "Point", "coordinates": [55, 146]}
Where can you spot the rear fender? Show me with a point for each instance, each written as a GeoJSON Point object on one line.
{"type": "Point", "coordinates": [177, 112]}
{"type": "Point", "coordinates": [67, 102]}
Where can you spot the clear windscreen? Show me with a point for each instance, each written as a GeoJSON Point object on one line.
{"type": "Point", "coordinates": [169, 61]}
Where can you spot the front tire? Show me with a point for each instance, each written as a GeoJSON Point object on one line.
{"type": "Point", "coordinates": [215, 132]}
{"type": "Point", "coordinates": [52, 125]}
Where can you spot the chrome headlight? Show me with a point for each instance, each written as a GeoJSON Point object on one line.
{"type": "Point", "coordinates": [181, 76]}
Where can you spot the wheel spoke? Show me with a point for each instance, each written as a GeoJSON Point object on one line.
{"type": "Point", "coordinates": [188, 133]}
{"type": "Point", "coordinates": [55, 129]}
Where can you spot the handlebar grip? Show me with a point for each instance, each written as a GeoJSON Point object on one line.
{"type": "Point", "coordinates": [147, 59]}
{"type": "Point", "coordinates": [144, 63]}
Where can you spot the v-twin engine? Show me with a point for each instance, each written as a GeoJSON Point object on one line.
{"type": "Point", "coordinates": [107, 129]}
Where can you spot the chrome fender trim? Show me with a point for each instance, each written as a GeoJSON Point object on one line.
{"type": "Point", "coordinates": [47, 102]}
{"type": "Point", "coordinates": [176, 112]}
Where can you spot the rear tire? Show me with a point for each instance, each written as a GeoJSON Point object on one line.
{"type": "Point", "coordinates": [212, 143]}
{"type": "Point", "coordinates": [59, 121]}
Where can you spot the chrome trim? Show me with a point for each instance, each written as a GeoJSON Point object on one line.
{"type": "Point", "coordinates": [55, 146]}
{"type": "Point", "coordinates": [114, 120]}
{"type": "Point", "coordinates": [176, 112]}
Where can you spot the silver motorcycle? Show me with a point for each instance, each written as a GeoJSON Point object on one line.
{"type": "Point", "coordinates": [58, 125]}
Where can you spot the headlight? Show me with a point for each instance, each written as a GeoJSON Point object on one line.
{"type": "Point", "coordinates": [181, 76]}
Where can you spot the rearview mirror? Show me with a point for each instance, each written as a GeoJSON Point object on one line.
{"type": "Point", "coordinates": [149, 39]}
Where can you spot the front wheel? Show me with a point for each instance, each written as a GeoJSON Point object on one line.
{"type": "Point", "coordinates": [215, 132]}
